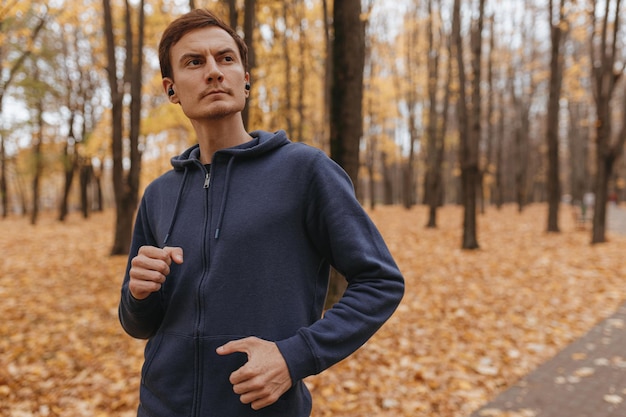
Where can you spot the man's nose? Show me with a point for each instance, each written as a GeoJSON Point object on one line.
{"type": "Point", "coordinates": [214, 73]}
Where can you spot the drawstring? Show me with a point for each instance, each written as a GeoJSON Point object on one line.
{"type": "Point", "coordinates": [178, 200]}
{"type": "Point", "coordinates": [222, 207]}
{"type": "Point", "coordinates": [224, 196]}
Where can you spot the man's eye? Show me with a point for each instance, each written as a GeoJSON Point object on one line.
{"type": "Point", "coordinates": [228, 58]}
{"type": "Point", "coordinates": [194, 62]}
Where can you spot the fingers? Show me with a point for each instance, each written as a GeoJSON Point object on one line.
{"type": "Point", "coordinates": [259, 398]}
{"type": "Point", "coordinates": [141, 289]}
{"type": "Point", "coordinates": [175, 254]}
{"type": "Point", "coordinates": [150, 268]}
{"type": "Point", "coordinates": [167, 255]}
{"type": "Point", "coordinates": [264, 378]}
{"type": "Point", "coordinates": [241, 345]}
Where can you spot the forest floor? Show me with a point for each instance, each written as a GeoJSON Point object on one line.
{"type": "Point", "coordinates": [470, 325]}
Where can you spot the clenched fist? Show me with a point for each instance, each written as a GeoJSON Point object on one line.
{"type": "Point", "coordinates": [150, 268]}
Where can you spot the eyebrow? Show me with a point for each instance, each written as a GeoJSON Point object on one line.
{"type": "Point", "coordinates": [221, 52]}
{"type": "Point", "coordinates": [189, 55]}
{"type": "Point", "coordinates": [228, 50]}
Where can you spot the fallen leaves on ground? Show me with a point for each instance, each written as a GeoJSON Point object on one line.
{"type": "Point", "coordinates": [471, 322]}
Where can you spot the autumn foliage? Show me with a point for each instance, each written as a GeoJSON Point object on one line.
{"type": "Point", "coordinates": [471, 323]}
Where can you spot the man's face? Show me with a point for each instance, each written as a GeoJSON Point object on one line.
{"type": "Point", "coordinates": [208, 75]}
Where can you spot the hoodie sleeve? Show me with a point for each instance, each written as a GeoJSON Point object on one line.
{"type": "Point", "coordinates": [140, 318]}
{"type": "Point", "coordinates": [345, 235]}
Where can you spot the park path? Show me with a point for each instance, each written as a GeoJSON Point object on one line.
{"type": "Point", "coordinates": [586, 379]}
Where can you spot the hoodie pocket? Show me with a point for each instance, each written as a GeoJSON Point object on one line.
{"type": "Point", "coordinates": [218, 398]}
{"type": "Point", "coordinates": [182, 375]}
{"type": "Point", "coordinates": [167, 382]}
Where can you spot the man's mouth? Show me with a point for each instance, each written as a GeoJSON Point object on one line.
{"type": "Point", "coordinates": [212, 92]}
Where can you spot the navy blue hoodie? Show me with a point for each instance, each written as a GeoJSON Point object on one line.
{"type": "Point", "coordinates": [259, 232]}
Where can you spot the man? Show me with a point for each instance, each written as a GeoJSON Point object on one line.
{"type": "Point", "coordinates": [229, 263]}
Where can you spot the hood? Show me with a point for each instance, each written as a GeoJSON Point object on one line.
{"type": "Point", "coordinates": [261, 143]}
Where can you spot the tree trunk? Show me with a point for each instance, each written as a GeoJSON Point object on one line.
{"type": "Point", "coordinates": [387, 180]}
{"type": "Point", "coordinates": [38, 158]}
{"type": "Point", "coordinates": [604, 167]}
{"type": "Point", "coordinates": [436, 131]}
{"type": "Point", "coordinates": [96, 185]}
{"type": "Point", "coordinates": [125, 184]}
{"type": "Point", "coordinates": [70, 164]}
{"type": "Point", "coordinates": [498, 183]}
{"type": "Point", "coordinates": [136, 73]}
{"type": "Point", "coordinates": [469, 124]}
{"type": "Point", "coordinates": [347, 91]}
{"type": "Point", "coordinates": [473, 171]}
{"type": "Point", "coordinates": [578, 139]}
{"type": "Point", "coordinates": [85, 179]}
{"type": "Point", "coordinates": [328, 73]}
{"type": "Point", "coordinates": [233, 15]}
{"type": "Point", "coordinates": [604, 87]}
{"type": "Point", "coordinates": [409, 174]}
{"type": "Point", "coordinates": [70, 161]}
{"type": "Point", "coordinates": [521, 104]}
{"type": "Point", "coordinates": [556, 80]}
{"type": "Point", "coordinates": [346, 126]}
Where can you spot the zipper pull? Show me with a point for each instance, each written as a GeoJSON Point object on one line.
{"type": "Point", "coordinates": [207, 179]}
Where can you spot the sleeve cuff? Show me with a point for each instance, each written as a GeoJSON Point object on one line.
{"type": "Point", "coordinates": [299, 356]}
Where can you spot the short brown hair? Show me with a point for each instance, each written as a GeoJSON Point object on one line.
{"type": "Point", "coordinates": [195, 19]}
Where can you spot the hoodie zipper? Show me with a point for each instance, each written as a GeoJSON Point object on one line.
{"type": "Point", "coordinates": [205, 267]}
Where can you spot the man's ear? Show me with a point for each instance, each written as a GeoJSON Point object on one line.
{"type": "Point", "coordinates": [247, 85]}
{"type": "Point", "coordinates": [168, 86]}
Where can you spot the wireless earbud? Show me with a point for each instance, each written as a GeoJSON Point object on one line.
{"type": "Point", "coordinates": [170, 92]}
{"type": "Point", "coordinates": [248, 86]}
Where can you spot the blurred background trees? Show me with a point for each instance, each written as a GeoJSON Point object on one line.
{"type": "Point", "coordinates": [474, 102]}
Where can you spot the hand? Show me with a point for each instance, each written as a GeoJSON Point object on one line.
{"type": "Point", "coordinates": [150, 268]}
{"type": "Point", "coordinates": [264, 378]}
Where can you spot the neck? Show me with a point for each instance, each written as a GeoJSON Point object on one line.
{"type": "Point", "coordinates": [216, 134]}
